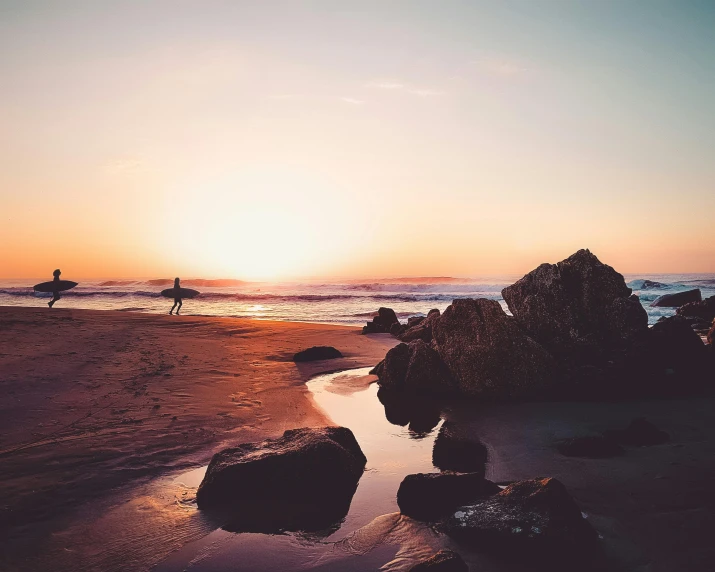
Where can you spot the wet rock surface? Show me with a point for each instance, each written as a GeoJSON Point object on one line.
{"type": "Point", "coordinates": [455, 450]}
{"type": "Point", "coordinates": [535, 519]}
{"type": "Point", "coordinates": [677, 299]}
{"type": "Point", "coordinates": [639, 433]}
{"type": "Point", "coordinates": [414, 367]}
{"type": "Point", "coordinates": [590, 446]}
{"type": "Point", "coordinates": [488, 354]}
{"type": "Point", "coordinates": [431, 496]}
{"type": "Point", "coordinates": [317, 353]}
{"type": "Point", "coordinates": [303, 480]}
{"type": "Point", "coordinates": [442, 561]}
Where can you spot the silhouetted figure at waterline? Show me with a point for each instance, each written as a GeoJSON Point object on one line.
{"type": "Point", "coordinates": [55, 287]}
{"type": "Point", "coordinates": [178, 293]}
{"type": "Point", "coordinates": [177, 288]}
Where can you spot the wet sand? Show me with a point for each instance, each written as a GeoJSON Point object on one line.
{"type": "Point", "coordinates": [93, 402]}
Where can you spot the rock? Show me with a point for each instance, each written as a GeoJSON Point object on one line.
{"type": "Point", "coordinates": [303, 480]}
{"type": "Point", "coordinates": [420, 413]}
{"type": "Point", "coordinates": [381, 323]}
{"type": "Point", "coordinates": [640, 433]}
{"type": "Point", "coordinates": [652, 285]}
{"type": "Point", "coordinates": [414, 367]}
{"type": "Point", "coordinates": [677, 348]}
{"type": "Point", "coordinates": [415, 320]}
{"type": "Point", "coordinates": [705, 309]}
{"type": "Point", "coordinates": [317, 353]}
{"type": "Point", "coordinates": [677, 299]}
{"type": "Point", "coordinates": [488, 354]}
{"type": "Point", "coordinates": [454, 450]}
{"type": "Point", "coordinates": [579, 301]}
{"type": "Point", "coordinates": [591, 447]}
{"type": "Point", "coordinates": [535, 520]}
{"type": "Point", "coordinates": [421, 330]}
{"type": "Point", "coordinates": [442, 561]}
{"type": "Point", "coordinates": [711, 335]}
{"type": "Point", "coordinates": [431, 496]}
{"type": "Point", "coordinates": [397, 329]}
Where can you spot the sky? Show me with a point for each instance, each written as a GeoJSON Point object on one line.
{"type": "Point", "coordinates": [279, 140]}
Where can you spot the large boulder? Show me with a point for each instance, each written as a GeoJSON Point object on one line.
{"type": "Point", "coordinates": [420, 329]}
{"type": "Point", "coordinates": [303, 480]}
{"type": "Point", "coordinates": [677, 349]}
{"type": "Point", "coordinates": [579, 301]}
{"type": "Point", "coordinates": [432, 496]}
{"type": "Point", "coordinates": [705, 309]}
{"type": "Point", "coordinates": [381, 323]}
{"type": "Point", "coordinates": [534, 519]}
{"type": "Point", "coordinates": [677, 299]}
{"type": "Point", "coordinates": [414, 367]}
{"type": "Point", "coordinates": [455, 450]}
{"type": "Point", "coordinates": [442, 561]}
{"type": "Point", "coordinates": [488, 354]}
{"type": "Point", "coordinates": [317, 353]}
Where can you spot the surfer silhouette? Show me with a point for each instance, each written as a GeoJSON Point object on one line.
{"type": "Point", "coordinates": [56, 290]}
{"type": "Point", "coordinates": [177, 299]}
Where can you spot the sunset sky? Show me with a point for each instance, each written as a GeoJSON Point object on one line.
{"type": "Point", "coordinates": [276, 140]}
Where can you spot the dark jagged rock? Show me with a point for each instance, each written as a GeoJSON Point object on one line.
{"type": "Point", "coordinates": [317, 353]}
{"type": "Point", "coordinates": [640, 433]}
{"type": "Point", "coordinates": [442, 561]}
{"type": "Point", "coordinates": [590, 447]}
{"type": "Point", "coordinates": [303, 480]}
{"type": "Point", "coordinates": [677, 299]}
{"type": "Point", "coordinates": [397, 329]}
{"type": "Point", "coordinates": [381, 323]}
{"type": "Point", "coordinates": [422, 329]}
{"type": "Point", "coordinates": [432, 496]}
{"type": "Point", "coordinates": [652, 285]}
{"type": "Point", "coordinates": [578, 302]}
{"type": "Point", "coordinates": [711, 336]}
{"type": "Point", "coordinates": [414, 367]}
{"type": "Point", "coordinates": [420, 413]}
{"type": "Point", "coordinates": [414, 321]}
{"type": "Point", "coordinates": [677, 348]}
{"type": "Point", "coordinates": [705, 309]}
{"type": "Point", "coordinates": [536, 520]}
{"type": "Point", "coordinates": [487, 353]}
{"type": "Point", "coordinates": [454, 450]}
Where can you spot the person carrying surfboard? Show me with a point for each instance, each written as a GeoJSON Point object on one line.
{"type": "Point", "coordinates": [55, 287]}
{"type": "Point", "coordinates": [56, 291]}
{"type": "Point", "coordinates": [177, 299]}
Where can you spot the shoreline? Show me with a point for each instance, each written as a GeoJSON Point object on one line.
{"type": "Point", "coordinates": [92, 401]}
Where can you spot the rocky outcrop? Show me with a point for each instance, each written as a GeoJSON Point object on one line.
{"type": "Point", "coordinates": [317, 353]}
{"type": "Point", "coordinates": [420, 329]}
{"type": "Point", "coordinates": [432, 496]}
{"type": "Point", "coordinates": [414, 367]}
{"type": "Point", "coordinates": [578, 302]}
{"type": "Point", "coordinates": [704, 310]}
{"type": "Point", "coordinates": [639, 433]}
{"type": "Point", "coordinates": [590, 447]}
{"type": "Point", "coordinates": [488, 354]}
{"type": "Point", "coordinates": [303, 480]}
{"type": "Point", "coordinates": [535, 519]}
{"type": "Point", "coordinates": [677, 299]}
{"type": "Point", "coordinates": [381, 323]}
{"type": "Point", "coordinates": [442, 561]}
{"type": "Point", "coordinates": [455, 450]}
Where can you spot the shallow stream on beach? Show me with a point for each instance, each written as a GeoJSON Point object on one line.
{"type": "Point", "coordinates": [393, 451]}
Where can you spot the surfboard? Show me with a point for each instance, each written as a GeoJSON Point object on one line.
{"type": "Point", "coordinates": [52, 286]}
{"type": "Point", "coordinates": [181, 293]}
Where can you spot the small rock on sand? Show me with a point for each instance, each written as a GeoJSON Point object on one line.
{"type": "Point", "coordinates": [317, 353]}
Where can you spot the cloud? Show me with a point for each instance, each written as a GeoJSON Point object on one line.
{"type": "Point", "coordinates": [352, 100]}
{"type": "Point", "coordinates": [394, 85]}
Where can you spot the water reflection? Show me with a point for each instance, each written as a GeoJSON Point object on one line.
{"type": "Point", "coordinates": [420, 414]}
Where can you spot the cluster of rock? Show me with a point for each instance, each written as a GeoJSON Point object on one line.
{"type": "Point", "coordinates": [384, 323]}
{"type": "Point", "coordinates": [576, 332]}
{"type": "Point", "coordinates": [677, 299]}
{"type": "Point", "coordinates": [304, 480]}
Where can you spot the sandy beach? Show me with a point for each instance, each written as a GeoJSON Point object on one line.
{"type": "Point", "coordinates": [92, 401]}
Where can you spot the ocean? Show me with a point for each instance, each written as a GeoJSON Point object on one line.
{"type": "Point", "coordinates": [349, 302]}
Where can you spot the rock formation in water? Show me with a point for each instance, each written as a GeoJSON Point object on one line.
{"type": "Point", "coordinates": [535, 520]}
{"type": "Point", "coordinates": [488, 354]}
{"type": "Point", "coordinates": [303, 480]}
{"type": "Point", "coordinates": [381, 324]}
{"type": "Point", "coordinates": [677, 299]}
{"type": "Point", "coordinates": [317, 353]}
{"type": "Point", "coordinates": [705, 309]}
{"type": "Point", "coordinates": [414, 367]}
